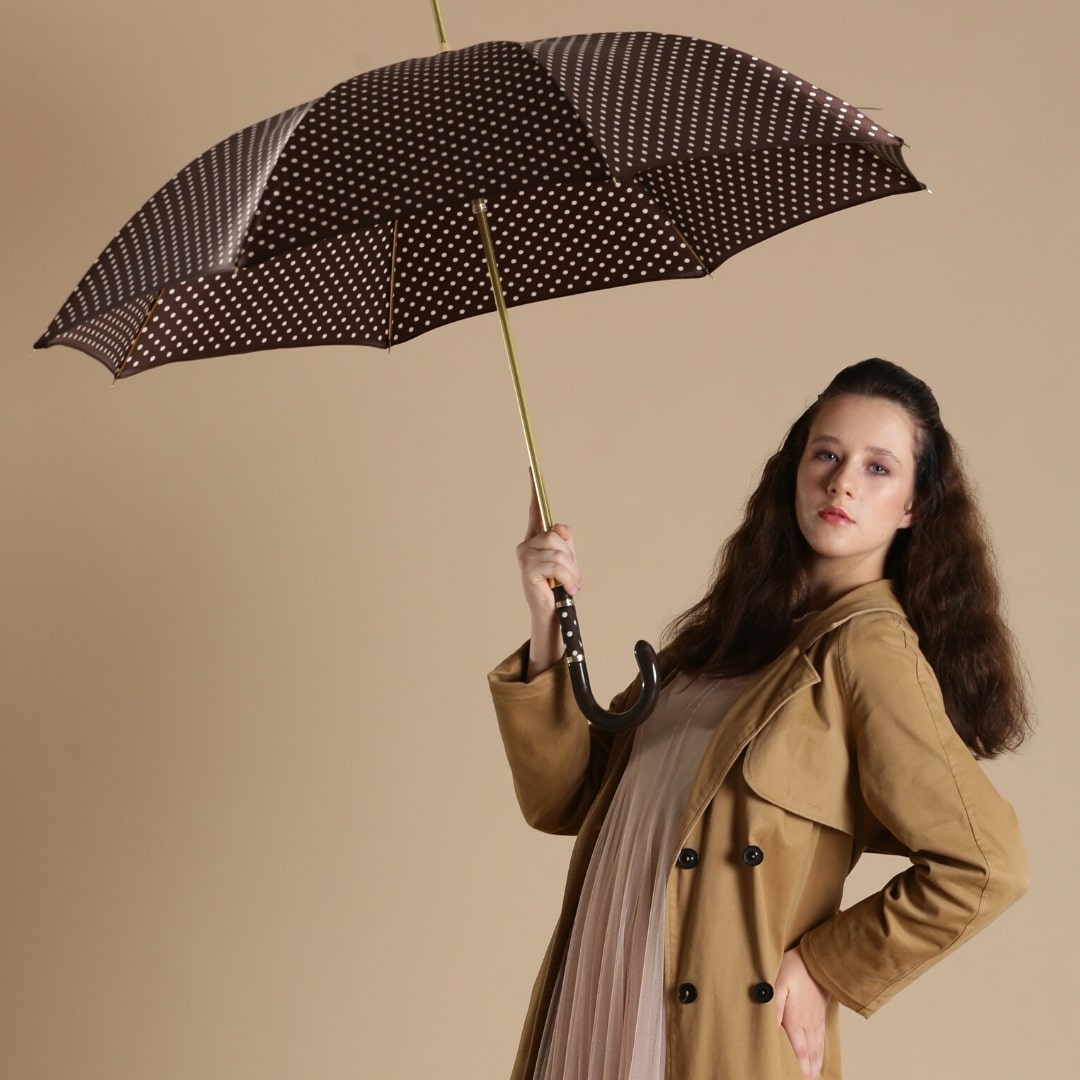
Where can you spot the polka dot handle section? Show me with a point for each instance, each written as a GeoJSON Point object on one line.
{"type": "Point", "coordinates": [569, 631]}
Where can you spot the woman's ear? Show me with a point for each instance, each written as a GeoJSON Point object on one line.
{"type": "Point", "coordinates": [911, 512]}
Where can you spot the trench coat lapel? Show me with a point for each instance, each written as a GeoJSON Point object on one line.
{"type": "Point", "coordinates": [752, 710]}
{"type": "Point", "coordinates": [789, 674]}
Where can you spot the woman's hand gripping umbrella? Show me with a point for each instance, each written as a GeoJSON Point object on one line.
{"type": "Point", "coordinates": [551, 579]}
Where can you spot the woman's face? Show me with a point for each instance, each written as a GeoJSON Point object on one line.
{"type": "Point", "coordinates": [854, 488]}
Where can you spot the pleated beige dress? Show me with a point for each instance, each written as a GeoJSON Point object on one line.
{"type": "Point", "coordinates": [606, 1020]}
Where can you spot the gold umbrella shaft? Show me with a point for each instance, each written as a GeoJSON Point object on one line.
{"type": "Point", "coordinates": [440, 29]}
{"type": "Point", "coordinates": [480, 209]}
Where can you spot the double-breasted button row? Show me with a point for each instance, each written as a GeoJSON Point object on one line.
{"type": "Point", "coordinates": [689, 858]}
{"type": "Point", "coordinates": [761, 992]}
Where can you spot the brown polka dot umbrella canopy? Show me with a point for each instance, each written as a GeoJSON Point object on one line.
{"type": "Point", "coordinates": [605, 160]}
{"type": "Point", "coordinates": [597, 160]}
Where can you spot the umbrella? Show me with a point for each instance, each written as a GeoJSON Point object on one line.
{"type": "Point", "coordinates": [474, 180]}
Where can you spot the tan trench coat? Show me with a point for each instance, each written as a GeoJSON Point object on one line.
{"type": "Point", "coordinates": [841, 746]}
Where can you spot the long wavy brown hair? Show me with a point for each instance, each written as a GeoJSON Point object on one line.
{"type": "Point", "coordinates": [941, 568]}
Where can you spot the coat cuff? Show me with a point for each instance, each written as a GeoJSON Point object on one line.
{"type": "Point", "coordinates": [542, 707]}
{"type": "Point", "coordinates": [823, 978]}
{"type": "Point", "coordinates": [547, 742]}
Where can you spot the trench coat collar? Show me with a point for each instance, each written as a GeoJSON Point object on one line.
{"type": "Point", "coordinates": [873, 596]}
{"type": "Point", "coordinates": [787, 675]}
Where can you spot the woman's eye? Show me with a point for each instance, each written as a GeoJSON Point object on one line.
{"type": "Point", "coordinates": [880, 470]}
{"type": "Point", "coordinates": [826, 455]}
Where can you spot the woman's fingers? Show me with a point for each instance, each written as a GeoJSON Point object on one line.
{"type": "Point", "coordinates": [546, 558]}
{"type": "Point", "coordinates": [809, 1050]}
{"type": "Point", "coordinates": [549, 557]}
{"type": "Point", "coordinates": [536, 523]}
{"type": "Point", "coordinates": [801, 1006]}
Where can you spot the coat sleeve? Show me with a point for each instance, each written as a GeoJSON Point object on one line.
{"type": "Point", "coordinates": [557, 758]}
{"type": "Point", "coordinates": [920, 781]}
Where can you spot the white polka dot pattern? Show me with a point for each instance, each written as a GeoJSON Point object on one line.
{"type": "Point", "coordinates": [604, 160]}
{"type": "Point", "coordinates": [732, 148]}
{"type": "Point", "coordinates": [724, 205]}
{"type": "Point", "coordinates": [422, 134]}
{"type": "Point", "coordinates": [655, 98]}
{"type": "Point", "coordinates": [194, 225]}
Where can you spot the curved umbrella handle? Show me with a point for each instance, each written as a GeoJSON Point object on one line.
{"type": "Point", "coordinates": [579, 673]}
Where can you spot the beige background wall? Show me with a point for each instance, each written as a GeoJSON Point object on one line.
{"type": "Point", "coordinates": [255, 822]}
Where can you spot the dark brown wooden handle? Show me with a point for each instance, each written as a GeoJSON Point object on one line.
{"type": "Point", "coordinates": [649, 669]}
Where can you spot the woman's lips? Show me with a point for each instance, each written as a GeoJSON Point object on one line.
{"type": "Point", "coordinates": [834, 516]}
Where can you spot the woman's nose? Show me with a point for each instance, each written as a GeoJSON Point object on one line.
{"type": "Point", "coordinates": [840, 481]}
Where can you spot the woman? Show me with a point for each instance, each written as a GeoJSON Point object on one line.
{"type": "Point", "coordinates": [826, 697]}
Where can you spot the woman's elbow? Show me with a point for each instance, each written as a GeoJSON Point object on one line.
{"type": "Point", "coordinates": [1008, 876]}
{"type": "Point", "coordinates": [1012, 879]}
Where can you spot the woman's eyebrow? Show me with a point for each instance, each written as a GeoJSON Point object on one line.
{"type": "Point", "coordinates": [832, 439]}
{"type": "Point", "coordinates": [884, 452]}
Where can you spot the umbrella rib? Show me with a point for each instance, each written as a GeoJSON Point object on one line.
{"type": "Point", "coordinates": [689, 247]}
{"type": "Point", "coordinates": [393, 274]}
{"type": "Point", "coordinates": [138, 334]}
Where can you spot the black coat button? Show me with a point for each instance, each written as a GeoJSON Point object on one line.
{"type": "Point", "coordinates": [753, 855]}
{"type": "Point", "coordinates": [688, 858]}
{"type": "Point", "coordinates": [762, 992]}
{"type": "Point", "coordinates": [687, 993]}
